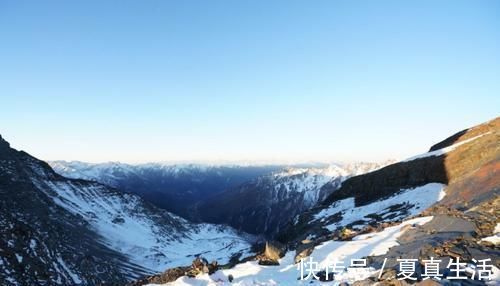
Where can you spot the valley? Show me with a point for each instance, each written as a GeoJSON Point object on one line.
{"type": "Point", "coordinates": [74, 223]}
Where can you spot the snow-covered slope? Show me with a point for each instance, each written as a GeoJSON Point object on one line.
{"type": "Point", "coordinates": [72, 231]}
{"type": "Point", "coordinates": [149, 237]}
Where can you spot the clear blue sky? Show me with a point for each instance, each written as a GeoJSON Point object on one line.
{"type": "Point", "coordinates": [237, 80]}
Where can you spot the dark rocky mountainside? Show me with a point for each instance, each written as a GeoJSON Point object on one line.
{"type": "Point", "coordinates": [60, 231]}
{"type": "Point", "coordinates": [41, 242]}
{"type": "Point", "coordinates": [467, 162]}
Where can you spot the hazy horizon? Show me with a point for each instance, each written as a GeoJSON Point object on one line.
{"type": "Point", "coordinates": [224, 163]}
{"type": "Point", "coordinates": [244, 81]}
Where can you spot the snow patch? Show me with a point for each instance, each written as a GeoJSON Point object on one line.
{"type": "Point", "coordinates": [417, 199]}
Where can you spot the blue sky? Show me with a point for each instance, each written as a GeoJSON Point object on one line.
{"type": "Point", "coordinates": [242, 80]}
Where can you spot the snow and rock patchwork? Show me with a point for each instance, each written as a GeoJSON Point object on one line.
{"type": "Point", "coordinates": [407, 203]}
{"type": "Point", "coordinates": [288, 273]}
{"type": "Point", "coordinates": [495, 238]}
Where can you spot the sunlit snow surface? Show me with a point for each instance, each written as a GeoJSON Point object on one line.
{"type": "Point", "coordinates": [251, 273]}
{"type": "Point", "coordinates": [417, 200]}
{"type": "Point", "coordinates": [154, 240]}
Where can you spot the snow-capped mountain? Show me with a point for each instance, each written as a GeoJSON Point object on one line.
{"type": "Point", "coordinates": [266, 204]}
{"type": "Point", "coordinates": [60, 231]}
{"type": "Point", "coordinates": [442, 204]}
{"type": "Point", "coordinates": [176, 188]}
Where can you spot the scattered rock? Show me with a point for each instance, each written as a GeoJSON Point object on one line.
{"type": "Point", "coordinates": [169, 275]}
{"type": "Point", "coordinates": [347, 234]}
{"type": "Point", "coordinates": [201, 266]}
{"type": "Point", "coordinates": [303, 251]}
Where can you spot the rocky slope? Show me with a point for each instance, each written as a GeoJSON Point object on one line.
{"type": "Point", "coordinates": [467, 163]}
{"type": "Point", "coordinates": [452, 193]}
{"type": "Point", "coordinates": [60, 231]}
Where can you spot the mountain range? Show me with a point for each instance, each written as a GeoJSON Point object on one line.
{"type": "Point", "coordinates": [74, 223]}
{"type": "Point", "coordinates": [245, 197]}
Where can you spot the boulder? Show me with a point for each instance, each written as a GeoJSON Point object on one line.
{"type": "Point", "coordinates": [274, 250]}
